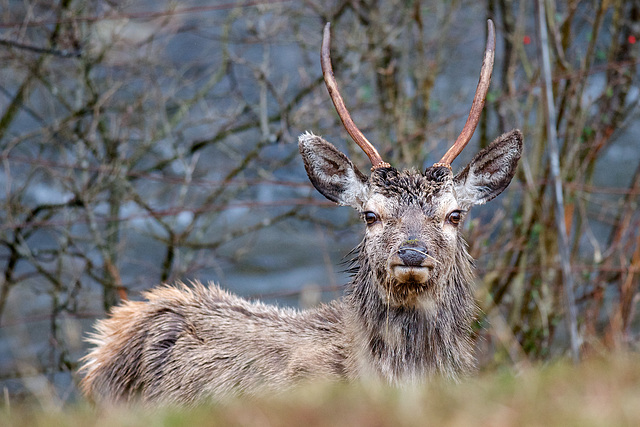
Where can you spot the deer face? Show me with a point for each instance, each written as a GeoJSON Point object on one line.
{"type": "Point", "coordinates": [412, 244]}
{"type": "Point", "coordinates": [411, 230]}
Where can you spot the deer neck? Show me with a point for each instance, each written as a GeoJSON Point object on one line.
{"type": "Point", "coordinates": [408, 343]}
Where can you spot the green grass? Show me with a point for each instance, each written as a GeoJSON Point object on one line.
{"type": "Point", "coordinates": [603, 392]}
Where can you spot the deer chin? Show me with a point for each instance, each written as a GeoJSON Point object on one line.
{"type": "Point", "coordinates": [408, 286]}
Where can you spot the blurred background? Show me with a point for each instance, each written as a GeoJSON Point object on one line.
{"type": "Point", "coordinates": [155, 141]}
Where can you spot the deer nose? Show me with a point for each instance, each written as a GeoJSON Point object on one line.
{"type": "Point", "coordinates": [412, 252]}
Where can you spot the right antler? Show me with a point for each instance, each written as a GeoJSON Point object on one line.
{"type": "Point", "coordinates": [332, 87]}
{"type": "Point", "coordinates": [478, 100]}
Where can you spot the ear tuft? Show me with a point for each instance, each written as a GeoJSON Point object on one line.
{"type": "Point", "coordinates": [490, 171]}
{"type": "Point", "coordinates": [331, 172]}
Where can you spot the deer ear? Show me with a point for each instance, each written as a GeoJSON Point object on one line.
{"type": "Point", "coordinates": [490, 171]}
{"type": "Point", "coordinates": [331, 172]}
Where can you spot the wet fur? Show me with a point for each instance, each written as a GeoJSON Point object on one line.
{"type": "Point", "coordinates": [184, 344]}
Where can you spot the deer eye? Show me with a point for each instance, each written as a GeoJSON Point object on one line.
{"type": "Point", "coordinates": [370, 217]}
{"type": "Point", "coordinates": [454, 217]}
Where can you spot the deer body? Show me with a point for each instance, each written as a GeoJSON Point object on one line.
{"type": "Point", "coordinates": [186, 344]}
{"type": "Point", "coordinates": [405, 316]}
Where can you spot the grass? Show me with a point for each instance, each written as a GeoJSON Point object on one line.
{"type": "Point", "coordinates": [599, 392]}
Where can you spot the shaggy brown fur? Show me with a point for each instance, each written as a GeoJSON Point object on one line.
{"type": "Point", "coordinates": [187, 343]}
{"type": "Point", "coordinates": [406, 314]}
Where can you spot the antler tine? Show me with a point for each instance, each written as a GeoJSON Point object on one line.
{"type": "Point", "coordinates": [332, 87]}
{"type": "Point", "coordinates": [478, 100]}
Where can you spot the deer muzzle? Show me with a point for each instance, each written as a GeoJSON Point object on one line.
{"type": "Point", "coordinates": [411, 262]}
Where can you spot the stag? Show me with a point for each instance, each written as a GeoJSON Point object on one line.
{"type": "Point", "coordinates": [406, 314]}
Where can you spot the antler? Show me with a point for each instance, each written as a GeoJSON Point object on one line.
{"type": "Point", "coordinates": [478, 100]}
{"type": "Point", "coordinates": [332, 87]}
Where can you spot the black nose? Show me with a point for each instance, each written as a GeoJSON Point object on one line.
{"type": "Point", "coordinates": [412, 253]}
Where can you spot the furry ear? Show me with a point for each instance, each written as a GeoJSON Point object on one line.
{"type": "Point", "coordinates": [331, 172]}
{"type": "Point", "coordinates": [490, 171]}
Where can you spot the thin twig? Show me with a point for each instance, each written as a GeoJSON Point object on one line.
{"type": "Point", "coordinates": [49, 51]}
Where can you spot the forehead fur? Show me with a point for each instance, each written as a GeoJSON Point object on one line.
{"type": "Point", "coordinates": [411, 186]}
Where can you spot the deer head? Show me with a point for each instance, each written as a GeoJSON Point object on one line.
{"type": "Point", "coordinates": [412, 247]}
